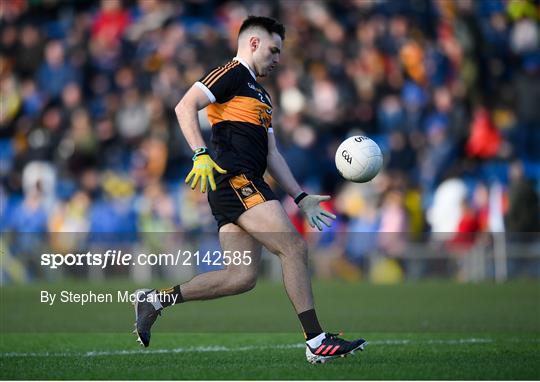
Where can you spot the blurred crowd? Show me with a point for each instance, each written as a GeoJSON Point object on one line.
{"type": "Point", "coordinates": [449, 90]}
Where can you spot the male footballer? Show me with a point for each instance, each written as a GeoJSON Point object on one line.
{"type": "Point", "coordinates": [245, 208]}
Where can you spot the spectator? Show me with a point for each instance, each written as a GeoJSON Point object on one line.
{"type": "Point", "coordinates": [484, 141]}
{"type": "Point", "coordinates": [402, 157]}
{"type": "Point", "coordinates": [393, 224]}
{"type": "Point", "coordinates": [523, 204]}
{"type": "Point", "coordinates": [56, 72]}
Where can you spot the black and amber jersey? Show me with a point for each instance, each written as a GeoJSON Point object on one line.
{"type": "Point", "coordinates": [241, 115]}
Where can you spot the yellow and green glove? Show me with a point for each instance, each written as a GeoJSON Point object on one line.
{"type": "Point", "coordinates": [203, 169]}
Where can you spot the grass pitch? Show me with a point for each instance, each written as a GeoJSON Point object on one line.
{"type": "Point", "coordinates": [428, 330]}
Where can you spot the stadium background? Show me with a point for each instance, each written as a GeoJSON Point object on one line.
{"type": "Point", "coordinates": [449, 90]}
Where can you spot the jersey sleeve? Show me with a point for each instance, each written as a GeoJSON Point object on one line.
{"type": "Point", "coordinates": [221, 83]}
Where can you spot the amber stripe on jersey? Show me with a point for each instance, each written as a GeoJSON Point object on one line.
{"type": "Point", "coordinates": [241, 109]}
{"type": "Point", "coordinates": [230, 66]}
{"type": "Point", "coordinates": [215, 75]}
{"type": "Point", "coordinates": [213, 72]}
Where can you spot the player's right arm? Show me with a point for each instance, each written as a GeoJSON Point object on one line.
{"type": "Point", "coordinates": [187, 114]}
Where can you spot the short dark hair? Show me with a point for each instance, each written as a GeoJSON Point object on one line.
{"type": "Point", "coordinates": [267, 23]}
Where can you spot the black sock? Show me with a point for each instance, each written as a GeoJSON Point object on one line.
{"type": "Point", "coordinates": [170, 296]}
{"type": "Point", "coordinates": [310, 324]}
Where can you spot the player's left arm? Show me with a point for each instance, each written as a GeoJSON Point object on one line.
{"type": "Point", "coordinates": [309, 204]}
{"type": "Point", "coordinates": [279, 169]}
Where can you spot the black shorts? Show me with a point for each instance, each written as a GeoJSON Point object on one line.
{"type": "Point", "coordinates": [236, 194]}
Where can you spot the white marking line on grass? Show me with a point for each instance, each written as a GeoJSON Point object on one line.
{"type": "Point", "coordinates": [434, 342]}
{"type": "Point", "coordinates": [219, 348]}
{"type": "Point", "coordinates": [194, 349]}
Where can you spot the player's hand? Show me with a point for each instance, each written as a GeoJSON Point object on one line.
{"type": "Point", "coordinates": [203, 170]}
{"type": "Point", "coordinates": [315, 215]}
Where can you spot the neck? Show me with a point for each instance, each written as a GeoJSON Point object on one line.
{"type": "Point", "coordinates": [248, 59]}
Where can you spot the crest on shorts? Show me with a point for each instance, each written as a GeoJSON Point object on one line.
{"type": "Point", "coordinates": [246, 191]}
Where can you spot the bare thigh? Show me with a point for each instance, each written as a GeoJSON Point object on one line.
{"type": "Point", "coordinates": [235, 239]}
{"type": "Point", "coordinates": [269, 224]}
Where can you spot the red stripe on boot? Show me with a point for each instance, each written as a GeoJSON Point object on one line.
{"type": "Point", "coordinates": [319, 349]}
{"type": "Point", "coordinates": [327, 349]}
{"type": "Point", "coordinates": [334, 349]}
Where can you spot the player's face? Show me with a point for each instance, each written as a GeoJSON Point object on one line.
{"type": "Point", "coordinates": [266, 57]}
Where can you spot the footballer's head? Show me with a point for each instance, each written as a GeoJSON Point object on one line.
{"type": "Point", "coordinates": [261, 39]}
